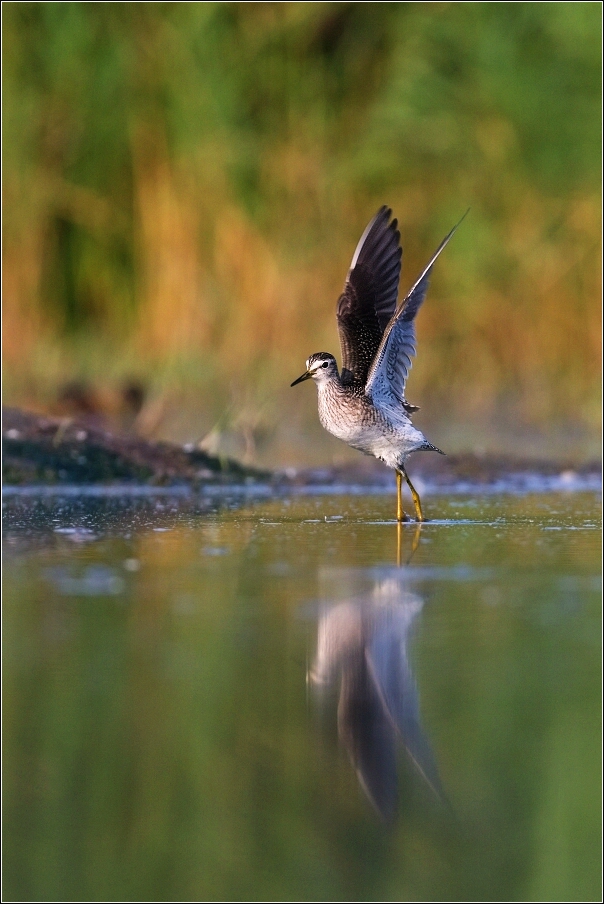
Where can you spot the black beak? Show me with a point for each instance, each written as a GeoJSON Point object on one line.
{"type": "Point", "coordinates": [305, 376]}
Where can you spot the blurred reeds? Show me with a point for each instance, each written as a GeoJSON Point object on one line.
{"type": "Point", "coordinates": [184, 185]}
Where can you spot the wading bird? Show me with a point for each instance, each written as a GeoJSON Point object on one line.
{"type": "Point", "coordinates": [365, 404]}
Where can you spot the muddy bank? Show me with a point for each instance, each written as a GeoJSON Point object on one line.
{"type": "Point", "coordinates": [48, 450]}
{"type": "Point", "coordinates": [67, 451]}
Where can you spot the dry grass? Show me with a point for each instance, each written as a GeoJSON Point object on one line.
{"type": "Point", "coordinates": [208, 267]}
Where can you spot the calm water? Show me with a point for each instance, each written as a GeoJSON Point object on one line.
{"type": "Point", "coordinates": [259, 703]}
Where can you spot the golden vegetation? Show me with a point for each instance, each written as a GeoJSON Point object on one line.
{"type": "Point", "coordinates": [184, 185]}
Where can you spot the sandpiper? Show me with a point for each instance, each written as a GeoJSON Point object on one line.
{"type": "Point", "coordinates": [365, 404]}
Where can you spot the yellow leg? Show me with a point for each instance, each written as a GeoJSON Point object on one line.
{"type": "Point", "coordinates": [400, 514]}
{"type": "Point", "coordinates": [415, 496]}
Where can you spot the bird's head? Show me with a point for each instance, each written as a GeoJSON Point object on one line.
{"type": "Point", "coordinates": [321, 366]}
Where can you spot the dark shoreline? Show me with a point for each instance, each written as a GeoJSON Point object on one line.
{"type": "Point", "coordinates": [50, 451]}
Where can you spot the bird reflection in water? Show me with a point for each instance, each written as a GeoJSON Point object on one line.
{"type": "Point", "coordinates": [363, 642]}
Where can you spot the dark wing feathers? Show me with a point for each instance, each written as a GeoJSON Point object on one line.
{"type": "Point", "coordinates": [377, 338]}
{"type": "Point", "coordinates": [390, 367]}
{"type": "Point", "coordinates": [369, 299]}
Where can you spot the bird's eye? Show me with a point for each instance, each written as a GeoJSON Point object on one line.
{"type": "Point", "coordinates": [325, 363]}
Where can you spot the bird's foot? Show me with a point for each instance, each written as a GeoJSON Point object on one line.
{"type": "Point", "coordinates": [404, 518]}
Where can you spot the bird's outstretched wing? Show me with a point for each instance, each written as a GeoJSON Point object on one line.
{"type": "Point", "coordinates": [390, 368]}
{"type": "Point", "coordinates": [369, 299]}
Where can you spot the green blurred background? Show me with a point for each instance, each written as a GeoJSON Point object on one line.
{"type": "Point", "coordinates": [185, 183]}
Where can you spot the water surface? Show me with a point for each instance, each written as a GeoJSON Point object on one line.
{"type": "Point", "coordinates": [274, 701]}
